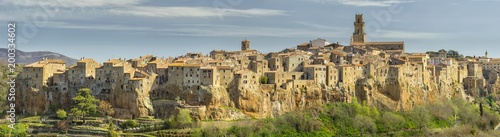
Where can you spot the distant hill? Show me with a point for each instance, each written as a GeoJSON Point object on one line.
{"type": "Point", "coordinates": [30, 57]}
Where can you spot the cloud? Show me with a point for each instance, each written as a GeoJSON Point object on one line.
{"type": "Point", "coordinates": [72, 3]}
{"type": "Point", "coordinates": [407, 35]}
{"type": "Point", "coordinates": [114, 27]}
{"type": "Point", "coordinates": [209, 30]}
{"type": "Point", "coordinates": [136, 8]}
{"type": "Point", "coordinates": [365, 3]}
{"type": "Point", "coordinates": [171, 12]}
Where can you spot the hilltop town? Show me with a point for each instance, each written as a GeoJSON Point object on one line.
{"type": "Point", "coordinates": [228, 85]}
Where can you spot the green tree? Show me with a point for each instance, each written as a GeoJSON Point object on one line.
{"type": "Point", "coordinates": [364, 123]}
{"type": "Point", "coordinates": [420, 116]}
{"type": "Point", "coordinates": [182, 119]}
{"type": "Point", "coordinates": [454, 54]}
{"type": "Point", "coordinates": [84, 103]}
{"type": "Point", "coordinates": [392, 122]}
{"type": "Point", "coordinates": [61, 114]}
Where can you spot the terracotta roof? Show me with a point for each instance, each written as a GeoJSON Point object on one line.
{"type": "Point", "coordinates": [192, 65]}
{"type": "Point", "coordinates": [176, 65]}
{"type": "Point", "coordinates": [385, 43]}
{"type": "Point", "coordinates": [45, 62]}
{"type": "Point", "coordinates": [340, 53]}
{"type": "Point", "coordinates": [303, 44]}
{"type": "Point", "coordinates": [223, 67]}
{"type": "Point", "coordinates": [114, 61]}
{"type": "Point", "coordinates": [163, 66]}
{"type": "Point", "coordinates": [85, 60]}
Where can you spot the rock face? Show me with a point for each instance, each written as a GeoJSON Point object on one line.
{"type": "Point", "coordinates": [404, 95]}
{"type": "Point", "coordinates": [218, 103]}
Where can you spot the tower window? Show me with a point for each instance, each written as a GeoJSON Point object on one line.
{"type": "Point", "coordinates": [359, 20]}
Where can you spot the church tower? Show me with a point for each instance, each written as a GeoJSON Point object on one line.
{"type": "Point", "coordinates": [359, 35]}
{"type": "Point", "coordinates": [245, 45]}
{"type": "Point", "coordinates": [486, 54]}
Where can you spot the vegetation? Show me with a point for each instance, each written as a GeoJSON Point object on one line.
{"type": "Point", "coordinates": [105, 108]}
{"type": "Point", "coordinates": [264, 80]}
{"type": "Point", "coordinates": [449, 54]}
{"type": "Point", "coordinates": [4, 78]}
{"type": "Point", "coordinates": [112, 132]}
{"type": "Point", "coordinates": [18, 131]}
{"type": "Point", "coordinates": [130, 124]}
{"type": "Point", "coordinates": [441, 118]}
{"type": "Point", "coordinates": [84, 103]}
{"type": "Point", "coordinates": [61, 114]}
{"type": "Point", "coordinates": [181, 120]}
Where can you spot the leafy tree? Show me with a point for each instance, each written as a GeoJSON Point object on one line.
{"type": "Point", "coordinates": [182, 119]}
{"type": "Point", "coordinates": [84, 103]}
{"type": "Point", "coordinates": [61, 114]}
{"type": "Point", "coordinates": [454, 54]}
{"type": "Point", "coordinates": [364, 123]}
{"type": "Point", "coordinates": [420, 117]}
{"type": "Point", "coordinates": [392, 122]}
{"type": "Point", "coordinates": [469, 115]}
{"type": "Point", "coordinates": [105, 108]}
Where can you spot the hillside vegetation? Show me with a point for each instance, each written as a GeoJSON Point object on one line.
{"type": "Point", "coordinates": [454, 117]}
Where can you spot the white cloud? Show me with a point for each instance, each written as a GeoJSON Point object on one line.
{"type": "Point", "coordinates": [67, 25]}
{"type": "Point", "coordinates": [365, 3]}
{"type": "Point", "coordinates": [204, 30]}
{"type": "Point", "coordinates": [407, 35]}
{"type": "Point", "coordinates": [72, 3]}
{"type": "Point", "coordinates": [137, 8]}
{"type": "Point", "coordinates": [170, 12]}
{"type": "Point", "coordinates": [243, 31]}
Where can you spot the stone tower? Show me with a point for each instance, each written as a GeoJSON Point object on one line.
{"type": "Point", "coordinates": [359, 35]}
{"type": "Point", "coordinates": [245, 45]}
{"type": "Point", "coordinates": [486, 54]}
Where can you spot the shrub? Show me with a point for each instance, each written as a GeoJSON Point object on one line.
{"type": "Point", "coordinates": [61, 114]}
{"type": "Point", "coordinates": [264, 80]}
{"type": "Point", "coordinates": [130, 124]}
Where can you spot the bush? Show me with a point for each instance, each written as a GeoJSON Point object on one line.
{"type": "Point", "coordinates": [61, 114]}
{"type": "Point", "coordinates": [181, 120]}
{"type": "Point", "coordinates": [130, 124]}
{"type": "Point", "coordinates": [264, 80]}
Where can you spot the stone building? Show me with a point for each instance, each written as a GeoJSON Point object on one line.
{"type": "Point", "coordinates": [34, 96]}
{"type": "Point", "coordinates": [317, 73]}
{"type": "Point", "coordinates": [295, 62]}
{"type": "Point", "coordinates": [82, 74]}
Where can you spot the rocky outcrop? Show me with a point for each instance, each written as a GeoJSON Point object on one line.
{"type": "Point", "coordinates": [404, 95]}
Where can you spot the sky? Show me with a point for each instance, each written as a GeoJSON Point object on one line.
{"type": "Point", "coordinates": [104, 29]}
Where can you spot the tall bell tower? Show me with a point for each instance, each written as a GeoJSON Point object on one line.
{"type": "Point", "coordinates": [359, 35]}
{"type": "Point", "coordinates": [245, 45]}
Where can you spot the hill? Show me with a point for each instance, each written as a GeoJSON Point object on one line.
{"type": "Point", "coordinates": [30, 57]}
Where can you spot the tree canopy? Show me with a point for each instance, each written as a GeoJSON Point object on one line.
{"type": "Point", "coordinates": [84, 103]}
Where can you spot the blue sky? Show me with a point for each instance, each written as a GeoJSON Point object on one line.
{"type": "Point", "coordinates": [103, 29]}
